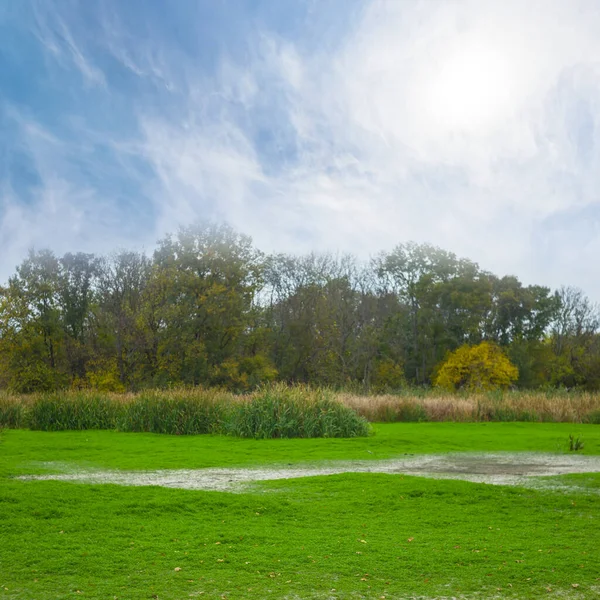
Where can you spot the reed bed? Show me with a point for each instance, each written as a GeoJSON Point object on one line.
{"type": "Point", "coordinates": [557, 407]}
{"type": "Point", "coordinates": [271, 412]}
{"type": "Point", "coordinates": [282, 411]}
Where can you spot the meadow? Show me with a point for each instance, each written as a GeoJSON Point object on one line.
{"type": "Point", "coordinates": [341, 536]}
{"type": "Point", "coordinates": [351, 535]}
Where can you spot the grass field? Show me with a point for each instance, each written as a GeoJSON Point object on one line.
{"type": "Point", "coordinates": [341, 536]}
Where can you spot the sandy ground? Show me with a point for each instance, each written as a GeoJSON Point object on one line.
{"type": "Point", "coordinates": [522, 469]}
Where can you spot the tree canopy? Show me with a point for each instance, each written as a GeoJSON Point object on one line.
{"type": "Point", "coordinates": [208, 308]}
{"type": "Point", "coordinates": [477, 368]}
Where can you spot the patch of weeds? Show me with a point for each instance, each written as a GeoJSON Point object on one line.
{"type": "Point", "coordinates": [575, 443]}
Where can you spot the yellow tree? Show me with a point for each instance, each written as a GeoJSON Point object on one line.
{"type": "Point", "coordinates": [476, 368]}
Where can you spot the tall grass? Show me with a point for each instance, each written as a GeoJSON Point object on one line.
{"type": "Point", "coordinates": [560, 407]}
{"type": "Point", "coordinates": [175, 413]}
{"type": "Point", "coordinates": [275, 411]}
{"type": "Point", "coordinates": [282, 411]}
{"type": "Point", "coordinates": [12, 412]}
{"type": "Point", "coordinates": [63, 411]}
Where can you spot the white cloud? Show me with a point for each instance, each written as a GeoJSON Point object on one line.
{"type": "Point", "coordinates": [53, 32]}
{"type": "Point", "coordinates": [434, 122]}
{"type": "Point", "coordinates": [469, 124]}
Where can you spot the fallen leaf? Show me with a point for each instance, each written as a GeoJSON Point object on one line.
{"type": "Point", "coordinates": [410, 539]}
{"type": "Point", "coordinates": [177, 569]}
{"type": "Point", "coordinates": [575, 585]}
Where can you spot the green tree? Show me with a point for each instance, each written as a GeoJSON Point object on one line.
{"type": "Point", "coordinates": [31, 339]}
{"type": "Point", "coordinates": [211, 276]}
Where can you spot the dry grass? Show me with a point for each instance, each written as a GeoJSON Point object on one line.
{"type": "Point", "coordinates": [575, 407]}
{"type": "Point", "coordinates": [572, 407]}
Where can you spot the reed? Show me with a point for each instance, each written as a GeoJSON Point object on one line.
{"type": "Point", "coordinates": [13, 411]}
{"type": "Point", "coordinates": [279, 411]}
{"type": "Point", "coordinates": [282, 411]}
{"type": "Point", "coordinates": [175, 413]}
{"type": "Point", "coordinates": [63, 411]}
{"type": "Point", "coordinates": [558, 407]}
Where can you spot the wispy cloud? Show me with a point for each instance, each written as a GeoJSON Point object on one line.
{"type": "Point", "coordinates": [54, 34]}
{"type": "Point", "coordinates": [471, 125]}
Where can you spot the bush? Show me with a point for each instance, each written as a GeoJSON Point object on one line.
{"type": "Point", "coordinates": [282, 412]}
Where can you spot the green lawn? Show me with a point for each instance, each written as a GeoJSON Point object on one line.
{"type": "Point", "coordinates": [343, 536]}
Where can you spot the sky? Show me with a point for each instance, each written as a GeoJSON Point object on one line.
{"type": "Point", "coordinates": [311, 125]}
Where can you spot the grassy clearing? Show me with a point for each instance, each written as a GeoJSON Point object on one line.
{"type": "Point", "coordinates": [345, 536]}
{"type": "Point", "coordinates": [24, 451]}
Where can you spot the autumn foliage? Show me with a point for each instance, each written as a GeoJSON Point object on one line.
{"type": "Point", "coordinates": [208, 308]}
{"type": "Point", "coordinates": [476, 368]}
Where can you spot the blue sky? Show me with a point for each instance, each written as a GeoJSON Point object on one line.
{"type": "Point", "coordinates": [342, 125]}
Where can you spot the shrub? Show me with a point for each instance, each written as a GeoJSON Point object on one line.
{"type": "Point", "coordinates": [476, 369]}
{"type": "Point", "coordinates": [388, 376]}
{"type": "Point", "coordinates": [282, 412]}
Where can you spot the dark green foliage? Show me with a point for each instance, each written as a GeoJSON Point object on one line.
{"type": "Point", "coordinates": [12, 414]}
{"type": "Point", "coordinates": [274, 412]}
{"type": "Point", "coordinates": [58, 412]}
{"type": "Point", "coordinates": [209, 309]}
{"type": "Point", "coordinates": [593, 417]}
{"type": "Point", "coordinates": [280, 412]}
{"type": "Point", "coordinates": [575, 444]}
{"type": "Point", "coordinates": [153, 413]}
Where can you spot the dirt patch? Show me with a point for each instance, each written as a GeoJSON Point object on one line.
{"type": "Point", "coordinates": [494, 468]}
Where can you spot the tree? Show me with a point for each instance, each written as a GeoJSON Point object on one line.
{"type": "Point", "coordinates": [211, 276]}
{"type": "Point", "coordinates": [75, 292]}
{"type": "Point", "coordinates": [575, 341]}
{"type": "Point", "coordinates": [121, 342]}
{"type": "Point", "coordinates": [476, 368]}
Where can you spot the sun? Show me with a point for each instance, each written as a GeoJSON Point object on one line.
{"type": "Point", "coordinates": [471, 88]}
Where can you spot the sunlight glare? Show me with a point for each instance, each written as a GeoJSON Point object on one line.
{"type": "Point", "coordinates": [472, 90]}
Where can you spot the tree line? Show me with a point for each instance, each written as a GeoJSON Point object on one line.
{"type": "Point", "coordinates": [208, 308]}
